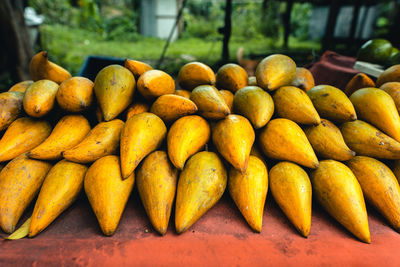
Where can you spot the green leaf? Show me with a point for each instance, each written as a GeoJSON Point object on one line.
{"type": "Point", "coordinates": [20, 232]}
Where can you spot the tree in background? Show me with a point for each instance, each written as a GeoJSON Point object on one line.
{"type": "Point", "coordinates": [14, 38]}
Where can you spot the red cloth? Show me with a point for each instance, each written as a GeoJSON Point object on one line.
{"type": "Point", "coordinates": [333, 69]}
{"type": "Point", "coordinates": [220, 237]}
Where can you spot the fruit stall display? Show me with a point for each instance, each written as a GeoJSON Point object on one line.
{"type": "Point", "coordinates": [183, 148]}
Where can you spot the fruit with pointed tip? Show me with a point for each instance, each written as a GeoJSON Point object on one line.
{"type": "Point", "coordinates": [377, 107]}
{"type": "Point", "coordinates": [291, 188]}
{"type": "Point", "coordinates": [107, 192]}
{"type": "Point", "coordinates": [201, 184]}
{"type": "Point", "coordinates": [187, 136]}
{"type": "Point", "coordinates": [40, 97]}
{"type": "Point", "coordinates": [21, 136]}
{"type": "Point", "coordinates": [114, 87]}
{"type": "Point", "coordinates": [234, 138]}
{"type": "Point", "coordinates": [337, 190]}
{"type": "Point", "coordinates": [249, 191]}
{"type": "Point", "coordinates": [142, 134]}
{"type": "Point", "coordinates": [42, 68]}
{"type": "Point", "coordinates": [60, 189]}
{"type": "Point", "coordinates": [20, 181]}
{"type": "Point", "coordinates": [255, 104]}
{"type": "Point", "coordinates": [327, 141]}
{"type": "Point", "coordinates": [283, 139]}
{"type": "Point", "coordinates": [102, 140]}
{"type": "Point", "coordinates": [156, 181]}
{"type": "Point", "coordinates": [67, 133]}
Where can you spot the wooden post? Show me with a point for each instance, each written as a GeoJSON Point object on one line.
{"type": "Point", "coordinates": [354, 20]}
{"type": "Point", "coordinates": [14, 36]}
{"type": "Point", "coordinates": [286, 23]}
{"type": "Point", "coordinates": [227, 31]}
{"type": "Point", "coordinates": [330, 26]}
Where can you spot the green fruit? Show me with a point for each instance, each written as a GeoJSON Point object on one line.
{"type": "Point", "coordinates": [394, 59]}
{"type": "Point", "coordinates": [375, 51]}
{"type": "Point", "coordinates": [394, 51]}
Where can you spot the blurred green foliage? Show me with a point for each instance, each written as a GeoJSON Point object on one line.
{"type": "Point", "coordinates": [116, 21]}
{"type": "Point", "coordinates": [76, 29]}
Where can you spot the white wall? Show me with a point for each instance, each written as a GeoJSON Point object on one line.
{"type": "Point", "coordinates": [158, 17]}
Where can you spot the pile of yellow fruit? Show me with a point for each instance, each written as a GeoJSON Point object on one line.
{"type": "Point", "coordinates": [196, 141]}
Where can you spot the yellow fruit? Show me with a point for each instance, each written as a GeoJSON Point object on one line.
{"type": "Point", "coordinates": [75, 94]}
{"type": "Point", "coordinates": [233, 138]}
{"type": "Point", "coordinates": [291, 188]}
{"type": "Point", "coordinates": [255, 104]}
{"type": "Point", "coordinates": [393, 89]}
{"type": "Point", "coordinates": [10, 108]}
{"type": "Point", "coordinates": [114, 87]}
{"type": "Point", "coordinates": [294, 104]}
{"type": "Point", "coordinates": [21, 86]}
{"type": "Point", "coordinates": [137, 67]}
{"type": "Point", "coordinates": [171, 107]}
{"type": "Point", "coordinates": [231, 77]}
{"type": "Point", "coordinates": [68, 132]}
{"type": "Point", "coordinates": [194, 74]}
{"type": "Point", "coordinates": [209, 101]}
{"type": "Point", "coordinates": [228, 97]}
{"type": "Point", "coordinates": [102, 140]}
{"type": "Point", "coordinates": [60, 189]}
{"type": "Point", "coordinates": [155, 83]}
{"type": "Point", "coordinates": [377, 107]}
{"type": "Point", "coordinates": [366, 140]}
{"type": "Point", "coordinates": [156, 182]}
{"type": "Point", "coordinates": [332, 104]}
{"type": "Point", "coordinates": [275, 71]}
{"type": "Point", "coordinates": [201, 184]}
{"type": "Point", "coordinates": [249, 191]}
{"type": "Point", "coordinates": [380, 187]}
{"type": "Point", "coordinates": [21, 136]}
{"type": "Point", "coordinates": [141, 135]}
{"type": "Point", "coordinates": [391, 74]}
{"type": "Point", "coordinates": [283, 139]}
{"type": "Point", "coordinates": [20, 181]}
{"type": "Point", "coordinates": [39, 98]}
{"type": "Point", "coordinates": [187, 136]}
{"type": "Point", "coordinates": [107, 192]}
{"type": "Point", "coordinates": [327, 141]}
{"type": "Point", "coordinates": [136, 108]}
{"type": "Point", "coordinates": [42, 68]}
{"type": "Point", "coordinates": [184, 93]}
{"type": "Point", "coordinates": [303, 79]}
{"type": "Point", "coordinates": [337, 190]}
{"type": "Point", "coordinates": [360, 80]}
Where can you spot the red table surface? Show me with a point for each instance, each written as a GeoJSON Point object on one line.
{"type": "Point", "coordinates": [220, 237]}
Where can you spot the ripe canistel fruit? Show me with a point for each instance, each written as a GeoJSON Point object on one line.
{"type": "Point", "coordinates": [201, 184]}
{"type": "Point", "coordinates": [107, 192]}
{"type": "Point", "coordinates": [187, 136]}
{"type": "Point", "coordinates": [234, 136]}
{"type": "Point", "coordinates": [156, 182]}
{"type": "Point", "coordinates": [60, 189]}
{"type": "Point", "coordinates": [249, 191]}
{"type": "Point", "coordinates": [337, 190]}
{"type": "Point", "coordinates": [142, 134]}
{"type": "Point", "coordinates": [291, 188]}
{"type": "Point", "coordinates": [283, 139]}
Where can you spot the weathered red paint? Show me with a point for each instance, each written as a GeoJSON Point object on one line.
{"type": "Point", "coordinates": [221, 237]}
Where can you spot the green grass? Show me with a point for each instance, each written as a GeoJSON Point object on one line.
{"type": "Point", "coordinates": [69, 48]}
